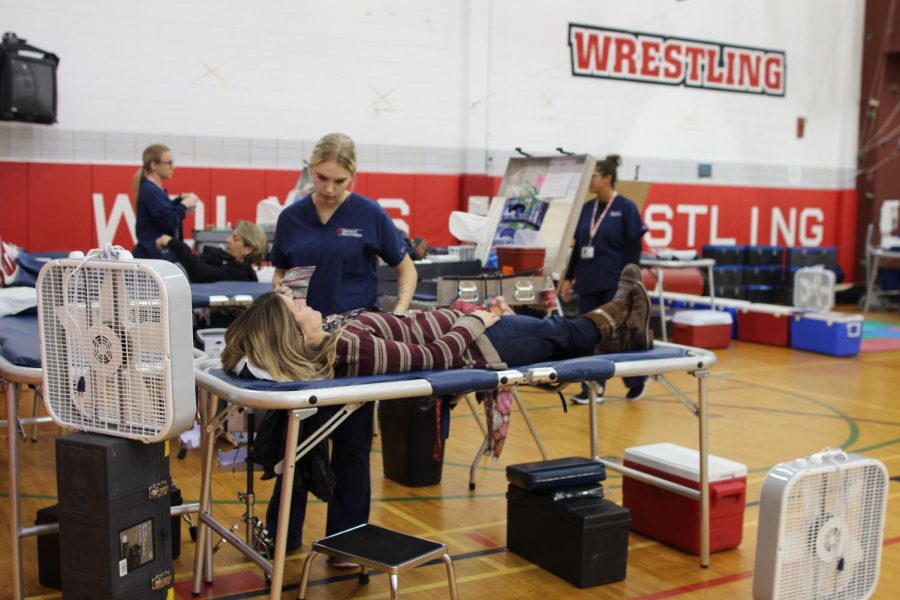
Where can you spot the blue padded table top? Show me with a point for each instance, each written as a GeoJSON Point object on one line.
{"type": "Point", "coordinates": [602, 367]}
{"type": "Point", "coordinates": [443, 383]}
{"type": "Point", "coordinates": [19, 342]}
{"type": "Point", "coordinates": [201, 292]}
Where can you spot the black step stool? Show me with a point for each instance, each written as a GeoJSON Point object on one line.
{"type": "Point", "coordinates": [374, 547]}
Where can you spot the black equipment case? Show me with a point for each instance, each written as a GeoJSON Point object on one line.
{"type": "Point", "coordinates": [115, 524]}
{"type": "Point", "coordinates": [581, 540]}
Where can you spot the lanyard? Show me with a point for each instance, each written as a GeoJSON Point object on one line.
{"type": "Point", "coordinates": [595, 224]}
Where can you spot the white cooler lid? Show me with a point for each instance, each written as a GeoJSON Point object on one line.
{"type": "Point", "coordinates": [683, 462]}
{"type": "Point", "coordinates": [831, 317]}
{"type": "Point", "coordinates": [772, 309]}
{"type": "Point", "coordinates": [702, 317]}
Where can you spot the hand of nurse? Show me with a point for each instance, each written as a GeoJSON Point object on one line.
{"type": "Point", "coordinates": [162, 242]}
{"type": "Point", "coordinates": [189, 200]}
{"type": "Point", "coordinates": [487, 317]}
{"type": "Point", "coordinates": [565, 290]}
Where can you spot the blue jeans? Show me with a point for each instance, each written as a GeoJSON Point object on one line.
{"type": "Point", "coordinates": [522, 340]}
{"type": "Point", "coordinates": [588, 302]}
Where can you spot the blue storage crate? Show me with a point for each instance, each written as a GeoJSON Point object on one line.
{"type": "Point", "coordinates": [837, 334]}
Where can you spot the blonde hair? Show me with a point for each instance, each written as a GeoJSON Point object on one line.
{"type": "Point", "coordinates": [152, 153]}
{"type": "Point", "coordinates": [268, 336]}
{"type": "Point", "coordinates": [337, 147]}
{"type": "Point", "coordinates": [255, 239]}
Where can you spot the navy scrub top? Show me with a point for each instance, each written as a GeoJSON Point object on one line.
{"type": "Point", "coordinates": [156, 215]}
{"type": "Point", "coordinates": [344, 251]}
{"type": "Point", "coordinates": [612, 245]}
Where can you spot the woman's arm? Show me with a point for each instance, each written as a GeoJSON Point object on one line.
{"type": "Point", "coordinates": [407, 278]}
{"type": "Point", "coordinates": [276, 281]}
{"type": "Point", "coordinates": [165, 213]}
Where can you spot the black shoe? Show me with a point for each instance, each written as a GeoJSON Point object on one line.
{"type": "Point", "coordinates": [637, 392]}
{"type": "Point", "coordinates": [583, 398]}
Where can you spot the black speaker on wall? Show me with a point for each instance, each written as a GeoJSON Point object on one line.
{"type": "Point", "coordinates": [27, 82]}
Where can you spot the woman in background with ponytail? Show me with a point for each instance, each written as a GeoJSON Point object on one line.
{"type": "Point", "coordinates": [607, 237]}
{"type": "Point", "coordinates": [157, 214]}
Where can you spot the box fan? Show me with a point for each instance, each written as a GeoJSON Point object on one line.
{"type": "Point", "coordinates": [821, 523]}
{"type": "Point", "coordinates": [116, 345]}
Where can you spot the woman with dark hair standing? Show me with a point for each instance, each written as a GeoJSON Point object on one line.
{"type": "Point", "coordinates": [607, 237]}
{"type": "Point", "coordinates": [157, 214]}
{"type": "Point", "coordinates": [338, 236]}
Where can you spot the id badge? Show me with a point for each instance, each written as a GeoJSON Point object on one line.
{"type": "Point", "coordinates": [587, 252]}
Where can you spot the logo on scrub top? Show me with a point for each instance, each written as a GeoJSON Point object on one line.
{"type": "Point", "coordinates": [344, 232]}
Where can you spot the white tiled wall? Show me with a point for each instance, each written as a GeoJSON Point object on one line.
{"type": "Point", "coordinates": [446, 86]}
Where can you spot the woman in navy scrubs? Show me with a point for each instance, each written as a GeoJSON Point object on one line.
{"type": "Point", "coordinates": [157, 214]}
{"type": "Point", "coordinates": [607, 237]}
{"type": "Point", "coordinates": [342, 235]}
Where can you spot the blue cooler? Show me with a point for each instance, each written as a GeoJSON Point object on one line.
{"type": "Point", "coordinates": [837, 334]}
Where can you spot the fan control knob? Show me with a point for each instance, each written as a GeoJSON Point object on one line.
{"type": "Point", "coordinates": [77, 254]}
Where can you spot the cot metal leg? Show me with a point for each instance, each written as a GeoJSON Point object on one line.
{"type": "Point", "coordinates": [592, 402]}
{"type": "Point", "coordinates": [451, 576]}
{"type": "Point", "coordinates": [484, 441]}
{"type": "Point", "coordinates": [474, 466]}
{"type": "Point", "coordinates": [395, 587]}
{"type": "Point", "coordinates": [304, 576]}
{"type": "Point", "coordinates": [203, 550]}
{"type": "Point", "coordinates": [284, 506]}
{"type": "Point", "coordinates": [12, 441]}
{"type": "Point", "coordinates": [35, 411]}
{"type": "Point", "coordinates": [703, 393]}
{"type": "Point", "coordinates": [530, 423]}
{"type": "Point", "coordinates": [474, 410]}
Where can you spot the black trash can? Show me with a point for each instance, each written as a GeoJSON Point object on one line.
{"type": "Point", "coordinates": [409, 434]}
{"type": "Point", "coordinates": [176, 500]}
{"type": "Point", "coordinates": [48, 549]}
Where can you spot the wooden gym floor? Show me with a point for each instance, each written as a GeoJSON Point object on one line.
{"type": "Point", "coordinates": [767, 405]}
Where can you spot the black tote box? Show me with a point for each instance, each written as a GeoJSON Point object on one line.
{"type": "Point", "coordinates": [582, 540]}
{"type": "Point", "coordinates": [115, 524]}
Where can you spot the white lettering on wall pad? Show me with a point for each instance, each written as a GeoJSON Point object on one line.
{"type": "Point", "coordinates": [797, 227]}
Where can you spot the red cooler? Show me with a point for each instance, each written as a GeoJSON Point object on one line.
{"type": "Point", "coordinates": [674, 519]}
{"type": "Point", "coordinates": [765, 324]}
{"type": "Point", "coordinates": [702, 328]}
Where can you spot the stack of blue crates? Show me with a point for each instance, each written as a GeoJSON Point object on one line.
{"type": "Point", "coordinates": [754, 273]}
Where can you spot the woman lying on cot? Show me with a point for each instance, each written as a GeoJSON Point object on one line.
{"type": "Point", "coordinates": [282, 340]}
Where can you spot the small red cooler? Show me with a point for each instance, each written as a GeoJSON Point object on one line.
{"type": "Point", "coordinates": [675, 519]}
{"type": "Point", "coordinates": [702, 328]}
{"type": "Point", "coordinates": [519, 259]}
{"type": "Point", "coordinates": [765, 324]}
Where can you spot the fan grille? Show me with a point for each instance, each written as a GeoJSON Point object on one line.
{"type": "Point", "coordinates": [831, 538]}
{"type": "Point", "coordinates": [106, 361]}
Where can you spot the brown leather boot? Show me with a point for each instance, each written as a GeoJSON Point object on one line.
{"type": "Point", "coordinates": [609, 317]}
{"type": "Point", "coordinates": [630, 277]}
{"type": "Point", "coordinates": [635, 332]}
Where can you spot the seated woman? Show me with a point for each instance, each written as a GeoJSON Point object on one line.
{"type": "Point", "coordinates": [282, 340]}
{"type": "Point", "coordinates": [245, 247]}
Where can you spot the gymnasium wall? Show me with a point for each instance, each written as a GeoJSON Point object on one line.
{"type": "Point", "coordinates": [437, 95]}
